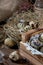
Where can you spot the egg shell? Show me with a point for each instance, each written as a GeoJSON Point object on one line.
{"type": "Point", "coordinates": [14, 56]}
{"type": "Point", "coordinates": [41, 36]}
{"type": "Point", "coordinates": [31, 23]}
{"type": "Point", "coordinates": [9, 42]}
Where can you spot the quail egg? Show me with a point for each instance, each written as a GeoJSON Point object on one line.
{"type": "Point", "coordinates": [41, 37]}
{"type": "Point", "coordinates": [14, 56]}
{"type": "Point", "coordinates": [9, 42]}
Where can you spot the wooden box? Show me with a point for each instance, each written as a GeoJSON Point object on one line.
{"type": "Point", "coordinates": [34, 59]}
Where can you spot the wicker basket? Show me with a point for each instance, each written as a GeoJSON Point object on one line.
{"type": "Point", "coordinates": [11, 27]}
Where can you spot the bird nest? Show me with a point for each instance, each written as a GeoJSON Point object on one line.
{"type": "Point", "coordinates": [17, 22]}
{"type": "Point", "coordinates": [2, 34]}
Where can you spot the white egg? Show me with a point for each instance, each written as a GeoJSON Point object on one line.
{"type": "Point", "coordinates": [9, 42]}
{"type": "Point", "coordinates": [31, 23]}
{"type": "Point", "coordinates": [42, 36]}
{"type": "Point", "coordinates": [27, 27]}
{"type": "Point", "coordinates": [20, 25]}
{"type": "Point", "coordinates": [22, 21]}
{"type": "Point", "coordinates": [41, 50]}
{"type": "Point", "coordinates": [14, 56]}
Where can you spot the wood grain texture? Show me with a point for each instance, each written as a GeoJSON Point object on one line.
{"type": "Point", "coordinates": [35, 59]}
{"type": "Point", "coordinates": [7, 61]}
{"type": "Point", "coordinates": [26, 36]}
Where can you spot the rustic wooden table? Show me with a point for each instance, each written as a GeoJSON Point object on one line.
{"type": "Point", "coordinates": [7, 61]}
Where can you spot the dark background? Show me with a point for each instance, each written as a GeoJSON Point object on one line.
{"type": "Point", "coordinates": [32, 1]}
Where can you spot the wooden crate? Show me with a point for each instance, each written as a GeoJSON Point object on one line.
{"type": "Point", "coordinates": [34, 59]}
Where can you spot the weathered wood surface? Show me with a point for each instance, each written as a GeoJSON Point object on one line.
{"type": "Point", "coordinates": [7, 61]}
{"type": "Point", "coordinates": [36, 60]}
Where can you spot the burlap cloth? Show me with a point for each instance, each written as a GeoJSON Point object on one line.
{"type": "Point", "coordinates": [7, 7]}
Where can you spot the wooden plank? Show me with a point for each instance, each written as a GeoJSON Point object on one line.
{"type": "Point", "coordinates": [30, 58]}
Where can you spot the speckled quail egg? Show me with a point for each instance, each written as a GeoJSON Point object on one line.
{"type": "Point", "coordinates": [14, 56]}
{"type": "Point", "coordinates": [9, 42]}
{"type": "Point", "coordinates": [41, 37]}
{"type": "Point", "coordinates": [32, 24]}
{"type": "Point", "coordinates": [35, 44]}
{"type": "Point", "coordinates": [27, 27]}
{"type": "Point", "coordinates": [19, 25]}
{"type": "Point", "coordinates": [41, 49]}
